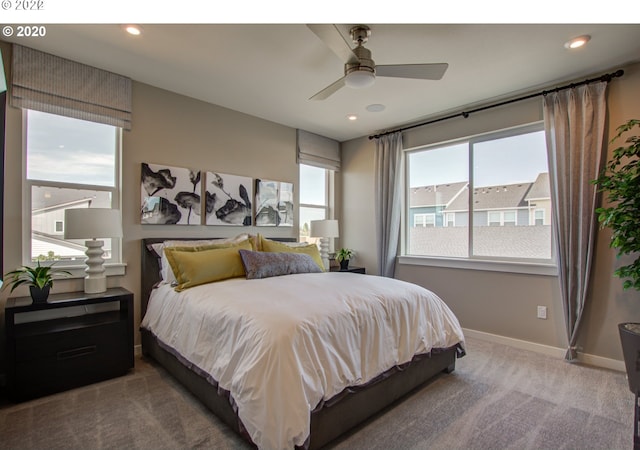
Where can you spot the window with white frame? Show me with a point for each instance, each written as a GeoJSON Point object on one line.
{"type": "Point", "coordinates": [486, 186]}
{"type": "Point", "coordinates": [450, 220]}
{"type": "Point", "coordinates": [70, 163]}
{"type": "Point", "coordinates": [425, 220]}
{"type": "Point", "coordinates": [314, 198]}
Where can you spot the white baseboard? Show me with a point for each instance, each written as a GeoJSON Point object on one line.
{"type": "Point", "coordinates": [592, 360]}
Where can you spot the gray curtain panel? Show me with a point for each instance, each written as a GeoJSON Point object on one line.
{"type": "Point", "coordinates": [388, 179]}
{"type": "Point", "coordinates": [574, 125]}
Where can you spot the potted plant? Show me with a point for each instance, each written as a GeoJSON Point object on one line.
{"type": "Point", "coordinates": [343, 256]}
{"type": "Point", "coordinates": [39, 279]}
{"type": "Point", "coordinates": [620, 179]}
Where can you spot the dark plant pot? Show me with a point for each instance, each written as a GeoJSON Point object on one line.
{"type": "Point", "coordinates": [39, 295]}
{"type": "Point", "coordinates": [630, 339]}
{"type": "Point", "coordinates": [344, 264]}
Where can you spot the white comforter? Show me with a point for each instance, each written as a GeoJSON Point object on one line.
{"type": "Point", "coordinates": [281, 345]}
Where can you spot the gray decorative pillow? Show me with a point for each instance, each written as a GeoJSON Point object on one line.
{"type": "Point", "coordinates": [273, 264]}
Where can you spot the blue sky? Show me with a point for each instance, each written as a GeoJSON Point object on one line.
{"type": "Point", "coordinates": [510, 160]}
{"type": "Point", "coordinates": [69, 150]}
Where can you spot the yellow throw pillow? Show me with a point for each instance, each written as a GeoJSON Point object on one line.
{"type": "Point", "coordinates": [193, 268]}
{"type": "Point", "coordinates": [170, 277]}
{"type": "Point", "coordinates": [267, 245]}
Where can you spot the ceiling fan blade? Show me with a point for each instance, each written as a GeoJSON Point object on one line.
{"type": "Point", "coordinates": [419, 71]}
{"type": "Point", "coordinates": [332, 38]}
{"type": "Point", "coordinates": [329, 90]}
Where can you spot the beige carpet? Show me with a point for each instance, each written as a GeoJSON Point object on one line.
{"type": "Point", "coordinates": [498, 398]}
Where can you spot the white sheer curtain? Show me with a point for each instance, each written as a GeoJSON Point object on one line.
{"type": "Point", "coordinates": [574, 123]}
{"type": "Point", "coordinates": [388, 198]}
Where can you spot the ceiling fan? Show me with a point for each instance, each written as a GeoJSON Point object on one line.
{"type": "Point", "coordinates": [359, 69]}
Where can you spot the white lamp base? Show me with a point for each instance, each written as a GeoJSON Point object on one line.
{"type": "Point", "coordinates": [95, 282]}
{"type": "Point", "coordinates": [324, 252]}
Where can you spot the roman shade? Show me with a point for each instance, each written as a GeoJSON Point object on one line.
{"type": "Point", "coordinates": [48, 83]}
{"type": "Point", "coordinates": [318, 151]}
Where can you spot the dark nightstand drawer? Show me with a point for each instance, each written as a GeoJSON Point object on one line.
{"type": "Point", "coordinates": [66, 344]}
{"type": "Point", "coordinates": [69, 359]}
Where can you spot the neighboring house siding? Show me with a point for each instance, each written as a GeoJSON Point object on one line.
{"type": "Point", "coordinates": [499, 201]}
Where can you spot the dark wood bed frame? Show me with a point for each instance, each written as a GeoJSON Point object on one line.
{"type": "Point", "coordinates": [328, 422]}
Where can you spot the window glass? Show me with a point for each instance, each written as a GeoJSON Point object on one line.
{"type": "Point", "coordinates": [437, 177]}
{"type": "Point", "coordinates": [313, 199]}
{"type": "Point", "coordinates": [313, 190]}
{"type": "Point", "coordinates": [70, 164]}
{"type": "Point", "coordinates": [70, 150]}
{"type": "Point", "coordinates": [509, 185]}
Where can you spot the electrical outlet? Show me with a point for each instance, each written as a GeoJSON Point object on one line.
{"type": "Point", "coordinates": [542, 312]}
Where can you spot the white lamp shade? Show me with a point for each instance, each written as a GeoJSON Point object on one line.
{"type": "Point", "coordinates": [324, 228]}
{"type": "Point", "coordinates": [92, 223]}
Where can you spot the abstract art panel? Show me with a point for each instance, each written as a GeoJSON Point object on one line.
{"type": "Point", "coordinates": [285, 204]}
{"type": "Point", "coordinates": [170, 195]}
{"type": "Point", "coordinates": [274, 203]}
{"type": "Point", "coordinates": [228, 199]}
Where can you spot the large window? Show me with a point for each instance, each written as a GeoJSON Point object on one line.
{"type": "Point", "coordinates": [70, 163]}
{"type": "Point", "coordinates": [486, 197]}
{"type": "Point", "coordinates": [314, 198]}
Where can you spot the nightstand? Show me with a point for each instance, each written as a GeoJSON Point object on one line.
{"type": "Point", "coordinates": [72, 340]}
{"type": "Point", "coordinates": [352, 269]}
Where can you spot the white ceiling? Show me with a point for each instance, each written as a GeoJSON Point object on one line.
{"type": "Point", "coordinates": [270, 70]}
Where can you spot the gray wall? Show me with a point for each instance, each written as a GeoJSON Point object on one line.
{"type": "Point", "coordinates": [499, 303]}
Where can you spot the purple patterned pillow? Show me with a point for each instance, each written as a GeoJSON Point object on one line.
{"type": "Point", "coordinates": [273, 264]}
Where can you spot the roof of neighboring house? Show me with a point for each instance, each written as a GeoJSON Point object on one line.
{"type": "Point", "coordinates": [435, 195]}
{"type": "Point", "coordinates": [45, 199]}
{"type": "Point", "coordinates": [493, 197]}
{"type": "Point", "coordinates": [540, 189]}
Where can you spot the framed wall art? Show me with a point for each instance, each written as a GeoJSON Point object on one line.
{"type": "Point", "coordinates": [274, 203]}
{"type": "Point", "coordinates": [228, 199]}
{"type": "Point", "coordinates": [285, 204]}
{"type": "Point", "coordinates": [170, 195]}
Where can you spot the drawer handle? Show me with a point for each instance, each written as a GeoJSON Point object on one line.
{"type": "Point", "coordinates": [76, 352]}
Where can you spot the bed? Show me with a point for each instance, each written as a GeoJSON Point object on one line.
{"type": "Point", "coordinates": [286, 370]}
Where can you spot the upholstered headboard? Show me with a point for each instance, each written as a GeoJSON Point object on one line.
{"type": "Point", "coordinates": [150, 267]}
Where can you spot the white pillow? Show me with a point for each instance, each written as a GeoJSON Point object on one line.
{"type": "Point", "coordinates": [166, 272]}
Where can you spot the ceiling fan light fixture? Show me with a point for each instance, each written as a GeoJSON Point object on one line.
{"type": "Point", "coordinates": [359, 79]}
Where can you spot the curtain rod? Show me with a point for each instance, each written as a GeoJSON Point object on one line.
{"type": "Point", "coordinates": [607, 77]}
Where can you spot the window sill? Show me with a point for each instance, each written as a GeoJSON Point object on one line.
{"type": "Point", "coordinates": [478, 264]}
{"type": "Point", "coordinates": [110, 269]}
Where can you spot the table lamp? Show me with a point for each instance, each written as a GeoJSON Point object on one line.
{"type": "Point", "coordinates": [91, 224]}
{"type": "Point", "coordinates": [324, 229]}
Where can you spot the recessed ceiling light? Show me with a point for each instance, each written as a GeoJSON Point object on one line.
{"type": "Point", "coordinates": [352, 117]}
{"type": "Point", "coordinates": [135, 30]}
{"type": "Point", "coordinates": [577, 42]}
{"type": "Point", "coordinates": [376, 107]}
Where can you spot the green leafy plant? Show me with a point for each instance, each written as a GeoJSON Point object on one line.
{"type": "Point", "coordinates": [344, 254]}
{"type": "Point", "coordinates": [620, 179]}
{"type": "Point", "coordinates": [39, 276]}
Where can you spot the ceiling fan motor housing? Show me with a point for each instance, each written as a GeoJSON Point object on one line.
{"type": "Point", "coordinates": [365, 63]}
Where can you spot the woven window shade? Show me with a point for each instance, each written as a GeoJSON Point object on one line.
{"type": "Point", "coordinates": [55, 85]}
{"type": "Point", "coordinates": [318, 151]}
